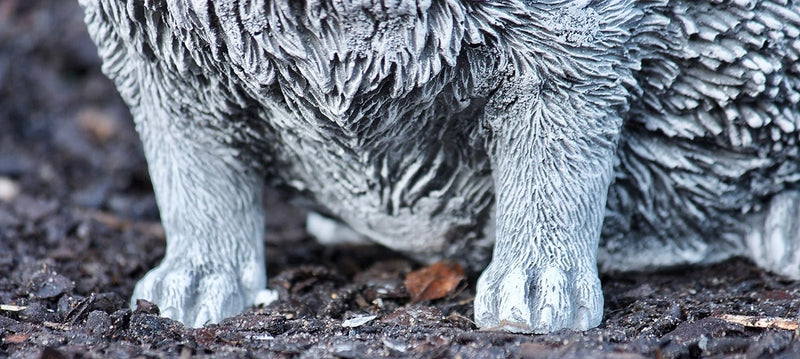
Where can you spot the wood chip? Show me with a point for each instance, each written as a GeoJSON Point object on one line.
{"type": "Point", "coordinates": [15, 338]}
{"type": "Point", "coordinates": [57, 326]}
{"type": "Point", "coordinates": [358, 321]}
{"type": "Point", "coordinates": [434, 282]}
{"type": "Point", "coordinates": [149, 228]}
{"type": "Point", "coordinates": [12, 308]}
{"type": "Point", "coordinates": [761, 322]}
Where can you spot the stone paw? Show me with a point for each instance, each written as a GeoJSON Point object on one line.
{"type": "Point", "coordinates": [774, 246]}
{"type": "Point", "coordinates": [193, 294]}
{"type": "Point", "coordinates": [538, 299]}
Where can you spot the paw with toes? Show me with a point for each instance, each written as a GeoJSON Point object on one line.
{"type": "Point", "coordinates": [538, 298]}
{"type": "Point", "coordinates": [193, 294]}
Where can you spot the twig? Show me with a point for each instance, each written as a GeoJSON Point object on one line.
{"type": "Point", "coordinates": [115, 222]}
{"type": "Point", "coordinates": [57, 326]}
{"type": "Point", "coordinates": [760, 322]}
{"type": "Point", "coordinates": [12, 308]}
{"type": "Point", "coordinates": [506, 325]}
{"type": "Point", "coordinates": [455, 315]}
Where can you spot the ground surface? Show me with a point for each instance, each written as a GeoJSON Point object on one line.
{"type": "Point", "coordinates": [78, 226]}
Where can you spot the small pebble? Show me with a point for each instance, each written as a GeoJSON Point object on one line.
{"type": "Point", "coordinates": [358, 321]}
{"type": "Point", "coordinates": [9, 189]}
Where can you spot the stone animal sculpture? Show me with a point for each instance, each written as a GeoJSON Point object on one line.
{"type": "Point", "coordinates": [664, 131]}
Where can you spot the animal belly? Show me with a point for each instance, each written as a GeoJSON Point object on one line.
{"type": "Point", "coordinates": [421, 208]}
{"type": "Point", "coordinates": [410, 173]}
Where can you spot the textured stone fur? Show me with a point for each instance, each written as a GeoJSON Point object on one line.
{"type": "Point", "coordinates": [438, 127]}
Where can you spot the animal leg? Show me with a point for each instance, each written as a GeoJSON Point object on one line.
{"type": "Point", "coordinates": [209, 198]}
{"type": "Point", "coordinates": [775, 246]}
{"type": "Point", "coordinates": [552, 165]}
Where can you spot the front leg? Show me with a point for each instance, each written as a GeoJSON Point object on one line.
{"type": "Point", "coordinates": [552, 156]}
{"type": "Point", "coordinates": [211, 209]}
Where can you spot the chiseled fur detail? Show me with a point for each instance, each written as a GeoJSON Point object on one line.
{"type": "Point", "coordinates": [710, 139]}
{"type": "Point", "coordinates": [438, 127]}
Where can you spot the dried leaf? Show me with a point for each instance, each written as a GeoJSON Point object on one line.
{"type": "Point", "coordinates": [433, 282]}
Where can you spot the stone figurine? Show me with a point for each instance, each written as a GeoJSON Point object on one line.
{"type": "Point", "coordinates": [548, 136]}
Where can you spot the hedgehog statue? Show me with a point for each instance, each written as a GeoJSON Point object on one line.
{"type": "Point", "coordinates": [541, 140]}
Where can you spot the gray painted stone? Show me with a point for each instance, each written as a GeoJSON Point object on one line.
{"type": "Point", "coordinates": [567, 134]}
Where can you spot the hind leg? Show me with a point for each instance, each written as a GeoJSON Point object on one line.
{"type": "Point", "coordinates": [774, 244]}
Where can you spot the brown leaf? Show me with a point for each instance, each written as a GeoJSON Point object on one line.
{"type": "Point", "coordinates": [433, 282]}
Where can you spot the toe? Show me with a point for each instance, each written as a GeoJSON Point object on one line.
{"type": "Point", "coordinates": [218, 297]}
{"type": "Point", "coordinates": [172, 313]}
{"type": "Point", "coordinates": [170, 290]}
{"type": "Point", "coordinates": [551, 300]}
{"type": "Point", "coordinates": [544, 321]}
{"type": "Point", "coordinates": [582, 319]}
{"type": "Point", "coordinates": [486, 299]}
{"type": "Point", "coordinates": [514, 304]}
{"type": "Point", "coordinates": [588, 303]}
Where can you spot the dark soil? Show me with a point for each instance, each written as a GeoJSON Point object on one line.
{"type": "Point", "coordinates": [78, 227]}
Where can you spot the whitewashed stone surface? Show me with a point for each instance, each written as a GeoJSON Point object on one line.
{"type": "Point", "coordinates": [566, 133]}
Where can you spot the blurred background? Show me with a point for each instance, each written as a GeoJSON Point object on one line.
{"type": "Point", "coordinates": [65, 135]}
